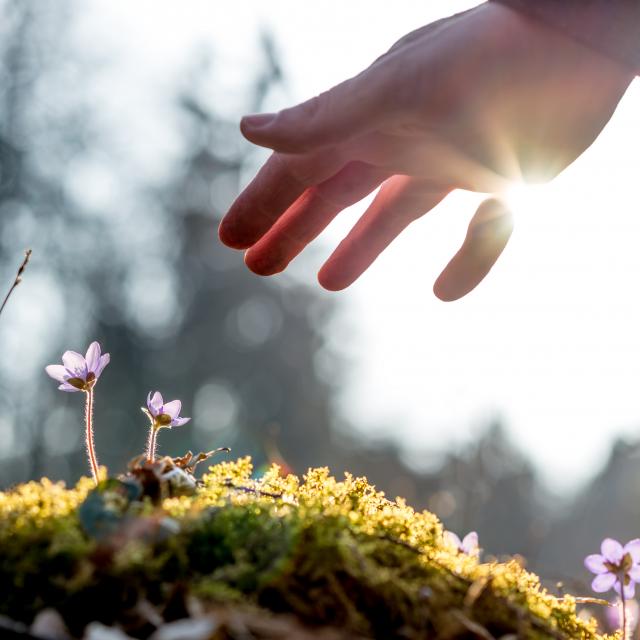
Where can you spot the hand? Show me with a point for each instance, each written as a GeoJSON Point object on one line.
{"type": "Point", "coordinates": [475, 102]}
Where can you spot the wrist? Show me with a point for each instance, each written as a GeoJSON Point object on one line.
{"type": "Point", "coordinates": [609, 27]}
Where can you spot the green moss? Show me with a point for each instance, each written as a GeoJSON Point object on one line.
{"type": "Point", "coordinates": [326, 551]}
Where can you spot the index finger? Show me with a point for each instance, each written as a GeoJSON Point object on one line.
{"type": "Point", "coordinates": [278, 184]}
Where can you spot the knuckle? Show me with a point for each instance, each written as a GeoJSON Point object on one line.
{"type": "Point", "coordinates": [295, 169]}
{"type": "Point", "coordinates": [302, 113]}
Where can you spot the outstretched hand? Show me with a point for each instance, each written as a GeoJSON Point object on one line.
{"type": "Point", "coordinates": [476, 102]}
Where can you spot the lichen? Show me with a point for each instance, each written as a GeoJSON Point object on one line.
{"type": "Point", "coordinates": [328, 551]}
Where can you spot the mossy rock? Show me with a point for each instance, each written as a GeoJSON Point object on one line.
{"type": "Point", "coordinates": [329, 553]}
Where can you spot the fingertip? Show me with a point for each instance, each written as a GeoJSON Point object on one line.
{"type": "Point", "coordinates": [252, 125]}
{"type": "Point", "coordinates": [260, 130]}
{"type": "Point", "coordinates": [262, 264]}
{"type": "Point", "coordinates": [256, 120]}
{"type": "Point", "coordinates": [331, 280]}
{"type": "Point", "coordinates": [229, 236]}
{"type": "Point", "coordinates": [445, 293]}
{"type": "Point", "coordinates": [329, 285]}
{"type": "Point", "coordinates": [288, 131]}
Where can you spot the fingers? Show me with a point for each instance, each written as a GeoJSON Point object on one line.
{"type": "Point", "coordinates": [310, 215]}
{"type": "Point", "coordinates": [487, 236]}
{"type": "Point", "coordinates": [349, 109]}
{"type": "Point", "coordinates": [278, 184]}
{"type": "Point", "coordinates": [399, 202]}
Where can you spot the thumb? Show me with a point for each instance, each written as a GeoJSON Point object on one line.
{"type": "Point", "coordinates": [347, 110]}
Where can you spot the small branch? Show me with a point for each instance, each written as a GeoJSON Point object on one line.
{"type": "Point", "coordinates": [586, 600]}
{"type": "Point", "coordinates": [257, 492]}
{"type": "Point", "coordinates": [18, 280]}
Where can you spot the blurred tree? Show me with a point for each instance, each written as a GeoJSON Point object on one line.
{"type": "Point", "coordinates": [43, 127]}
{"type": "Point", "coordinates": [238, 350]}
{"type": "Point", "coordinates": [177, 311]}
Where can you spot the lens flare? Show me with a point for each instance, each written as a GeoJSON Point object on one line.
{"type": "Point", "coordinates": [522, 198]}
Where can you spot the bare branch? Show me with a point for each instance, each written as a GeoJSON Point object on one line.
{"type": "Point", "coordinates": [18, 280]}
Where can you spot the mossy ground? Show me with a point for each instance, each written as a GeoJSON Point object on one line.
{"type": "Point", "coordinates": [329, 552]}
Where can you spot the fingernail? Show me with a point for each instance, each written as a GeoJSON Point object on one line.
{"type": "Point", "coordinates": [258, 120]}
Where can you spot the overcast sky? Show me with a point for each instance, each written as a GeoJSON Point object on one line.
{"type": "Point", "coordinates": [549, 343]}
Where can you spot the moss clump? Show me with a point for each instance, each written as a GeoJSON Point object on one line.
{"type": "Point", "coordinates": [329, 552]}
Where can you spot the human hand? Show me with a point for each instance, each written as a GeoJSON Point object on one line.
{"type": "Point", "coordinates": [476, 102]}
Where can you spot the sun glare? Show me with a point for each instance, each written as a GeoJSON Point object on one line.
{"type": "Point", "coordinates": [522, 198]}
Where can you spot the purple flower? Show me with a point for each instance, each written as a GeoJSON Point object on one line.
{"type": "Point", "coordinates": [164, 415]}
{"type": "Point", "coordinates": [78, 372]}
{"type": "Point", "coordinates": [616, 567]}
{"type": "Point", "coordinates": [468, 545]}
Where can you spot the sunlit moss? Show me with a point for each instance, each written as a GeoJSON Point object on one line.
{"type": "Point", "coordinates": [328, 551]}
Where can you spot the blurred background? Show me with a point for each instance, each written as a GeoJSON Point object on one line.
{"type": "Point", "coordinates": [514, 412]}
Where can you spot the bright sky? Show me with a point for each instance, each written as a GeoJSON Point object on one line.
{"type": "Point", "coordinates": [549, 342]}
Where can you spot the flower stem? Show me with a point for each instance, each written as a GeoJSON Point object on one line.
{"type": "Point", "coordinates": [88, 419]}
{"type": "Point", "coordinates": [623, 604]}
{"type": "Point", "coordinates": [151, 444]}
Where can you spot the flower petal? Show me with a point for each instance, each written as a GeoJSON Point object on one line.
{"type": "Point", "coordinates": [172, 408]}
{"type": "Point", "coordinates": [470, 543]}
{"type": "Point", "coordinates": [178, 422]}
{"type": "Point", "coordinates": [595, 563]}
{"type": "Point", "coordinates": [612, 550]}
{"type": "Point", "coordinates": [633, 549]}
{"type": "Point", "coordinates": [154, 403]}
{"type": "Point", "coordinates": [93, 357]}
{"type": "Point", "coordinates": [603, 582]}
{"type": "Point", "coordinates": [452, 539]}
{"type": "Point", "coordinates": [634, 573]}
{"type": "Point", "coordinates": [105, 359]}
{"type": "Point", "coordinates": [57, 372]}
{"type": "Point", "coordinates": [75, 363]}
{"type": "Point", "coordinates": [65, 386]}
{"type": "Point", "coordinates": [629, 589]}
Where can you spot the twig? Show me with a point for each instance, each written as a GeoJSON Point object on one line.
{"type": "Point", "coordinates": [18, 280]}
{"type": "Point", "coordinates": [586, 600]}
{"type": "Point", "coordinates": [258, 492]}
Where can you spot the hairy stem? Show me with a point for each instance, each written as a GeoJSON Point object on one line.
{"type": "Point", "coordinates": [623, 605]}
{"type": "Point", "coordinates": [88, 419]}
{"type": "Point", "coordinates": [151, 444]}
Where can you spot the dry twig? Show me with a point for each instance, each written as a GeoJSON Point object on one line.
{"type": "Point", "coordinates": [18, 280]}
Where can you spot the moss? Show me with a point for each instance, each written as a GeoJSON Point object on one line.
{"type": "Point", "coordinates": [329, 552]}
